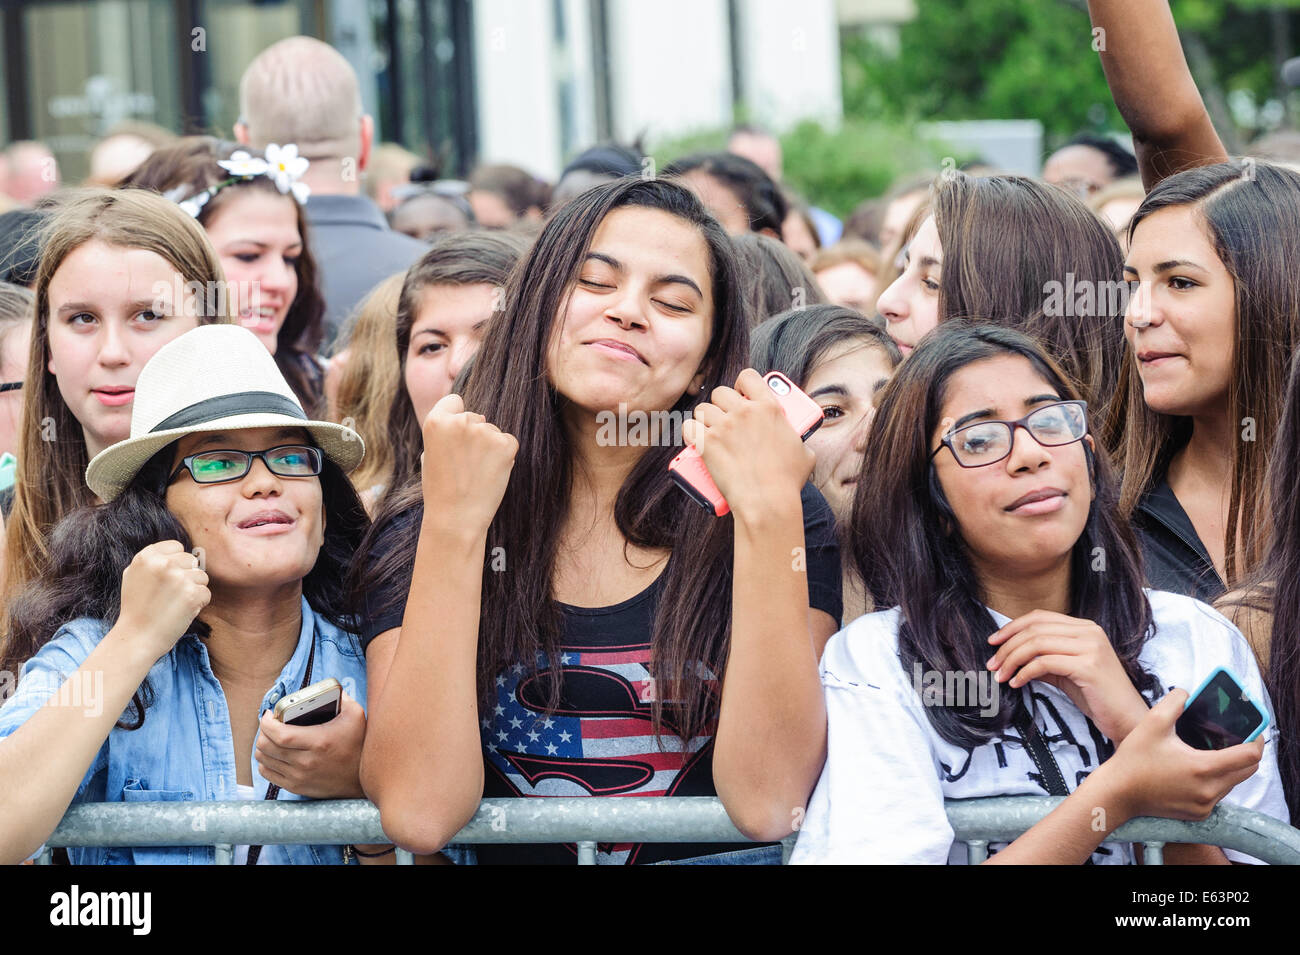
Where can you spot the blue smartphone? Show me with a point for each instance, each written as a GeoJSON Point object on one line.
{"type": "Point", "coordinates": [1220, 713]}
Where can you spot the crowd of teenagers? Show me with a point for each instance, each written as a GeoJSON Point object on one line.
{"type": "Point", "coordinates": [271, 430]}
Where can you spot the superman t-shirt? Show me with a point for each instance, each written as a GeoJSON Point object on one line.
{"type": "Point", "coordinates": [599, 740]}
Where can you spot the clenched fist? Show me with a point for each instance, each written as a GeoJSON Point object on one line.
{"type": "Point", "coordinates": [466, 465]}
{"type": "Point", "coordinates": [163, 590]}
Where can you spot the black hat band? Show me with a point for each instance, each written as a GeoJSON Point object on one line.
{"type": "Point", "coordinates": [225, 406]}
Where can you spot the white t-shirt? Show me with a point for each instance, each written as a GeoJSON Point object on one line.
{"type": "Point", "coordinates": [241, 852]}
{"type": "Point", "coordinates": [880, 796]}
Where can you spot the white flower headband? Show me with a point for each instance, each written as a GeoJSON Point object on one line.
{"type": "Point", "coordinates": [282, 165]}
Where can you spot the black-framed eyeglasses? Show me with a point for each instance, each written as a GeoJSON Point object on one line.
{"type": "Point", "coordinates": [216, 467]}
{"type": "Point", "coordinates": [988, 442]}
{"type": "Point", "coordinates": [10, 386]}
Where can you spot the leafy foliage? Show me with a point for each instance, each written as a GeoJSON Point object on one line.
{"type": "Point", "coordinates": [1004, 59]}
{"type": "Point", "coordinates": [835, 169]}
{"type": "Point", "coordinates": [1034, 59]}
{"type": "Point", "coordinates": [996, 59]}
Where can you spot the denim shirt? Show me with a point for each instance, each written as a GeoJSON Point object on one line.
{"type": "Point", "coordinates": [185, 750]}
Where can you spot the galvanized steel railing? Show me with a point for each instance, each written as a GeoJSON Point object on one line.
{"type": "Point", "coordinates": [592, 820]}
{"type": "Point", "coordinates": [978, 822]}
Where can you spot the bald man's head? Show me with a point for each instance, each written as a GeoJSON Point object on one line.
{"type": "Point", "coordinates": [32, 171]}
{"type": "Point", "coordinates": [302, 91]}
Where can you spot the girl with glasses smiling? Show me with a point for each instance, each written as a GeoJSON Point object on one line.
{"type": "Point", "coordinates": [207, 587]}
{"type": "Point", "coordinates": [1022, 655]}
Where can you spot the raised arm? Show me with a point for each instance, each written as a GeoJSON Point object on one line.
{"type": "Point", "coordinates": [422, 762]}
{"type": "Point", "coordinates": [44, 760]}
{"type": "Point", "coordinates": [1153, 88]}
{"type": "Point", "coordinates": [771, 737]}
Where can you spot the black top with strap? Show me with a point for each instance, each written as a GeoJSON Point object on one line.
{"type": "Point", "coordinates": [1172, 552]}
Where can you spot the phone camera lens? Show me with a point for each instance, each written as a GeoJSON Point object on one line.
{"type": "Point", "coordinates": [778, 385]}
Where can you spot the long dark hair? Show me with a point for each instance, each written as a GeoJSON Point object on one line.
{"type": "Point", "coordinates": [1254, 223]}
{"type": "Point", "coordinates": [509, 385]}
{"type": "Point", "coordinates": [1275, 589]}
{"type": "Point", "coordinates": [776, 279]}
{"type": "Point", "coordinates": [1014, 252]}
{"type": "Point", "coordinates": [755, 190]}
{"type": "Point", "coordinates": [92, 547]}
{"type": "Point", "coordinates": [908, 556]}
{"type": "Point", "coordinates": [795, 341]}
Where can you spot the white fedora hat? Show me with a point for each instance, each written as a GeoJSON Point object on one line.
{"type": "Point", "coordinates": [212, 378]}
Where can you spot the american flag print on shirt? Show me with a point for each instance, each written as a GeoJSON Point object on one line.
{"type": "Point", "coordinates": [599, 741]}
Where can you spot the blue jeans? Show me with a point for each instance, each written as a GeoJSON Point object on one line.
{"type": "Point", "coordinates": [752, 855]}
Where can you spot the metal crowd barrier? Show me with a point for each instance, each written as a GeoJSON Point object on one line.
{"type": "Point", "coordinates": [977, 822]}
{"type": "Point", "coordinates": [610, 819]}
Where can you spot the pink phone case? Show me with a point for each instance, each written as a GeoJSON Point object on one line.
{"type": "Point", "coordinates": [689, 472]}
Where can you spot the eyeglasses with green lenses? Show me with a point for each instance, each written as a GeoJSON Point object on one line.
{"type": "Point", "coordinates": [988, 442]}
{"type": "Point", "coordinates": [215, 467]}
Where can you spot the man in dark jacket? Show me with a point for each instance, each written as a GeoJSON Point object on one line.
{"type": "Point", "coordinates": [303, 91]}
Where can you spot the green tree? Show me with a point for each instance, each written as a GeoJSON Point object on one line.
{"type": "Point", "coordinates": [835, 169]}
{"type": "Point", "coordinates": [1035, 59]}
{"type": "Point", "coordinates": [996, 59]}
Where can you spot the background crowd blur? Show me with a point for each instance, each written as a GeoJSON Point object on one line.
{"type": "Point", "coordinates": [816, 126]}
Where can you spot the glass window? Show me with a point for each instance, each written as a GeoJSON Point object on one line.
{"type": "Point", "coordinates": [423, 77]}
{"type": "Point", "coordinates": [91, 66]}
{"type": "Point", "coordinates": [5, 133]}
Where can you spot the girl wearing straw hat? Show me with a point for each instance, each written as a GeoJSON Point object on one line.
{"type": "Point", "coordinates": [203, 590]}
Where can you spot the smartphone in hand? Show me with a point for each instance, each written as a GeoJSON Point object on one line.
{"type": "Point", "coordinates": [312, 705]}
{"type": "Point", "coordinates": [688, 470]}
{"type": "Point", "coordinates": [1220, 714]}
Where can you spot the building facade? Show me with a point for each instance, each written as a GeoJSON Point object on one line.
{"type": "Point", "coordinates": [529, 82]}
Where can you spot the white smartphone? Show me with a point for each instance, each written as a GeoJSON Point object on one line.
{"type": "Point", "coordinates": [318, 703]}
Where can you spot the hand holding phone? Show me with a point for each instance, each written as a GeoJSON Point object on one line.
{"type": "Point", "coordinates": [1154, 773]}
{"type": "Point", "coordinates": [1220, 714]}
{"type": "Point", "coordinates": [320, 759]}
{"type": "Point", "coordinates": [688, 470]}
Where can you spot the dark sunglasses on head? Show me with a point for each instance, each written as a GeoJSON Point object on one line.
{"type": "Point", "coordinates": [215, 467]}
{"type": "Point", "coordinates": [988, 442]}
